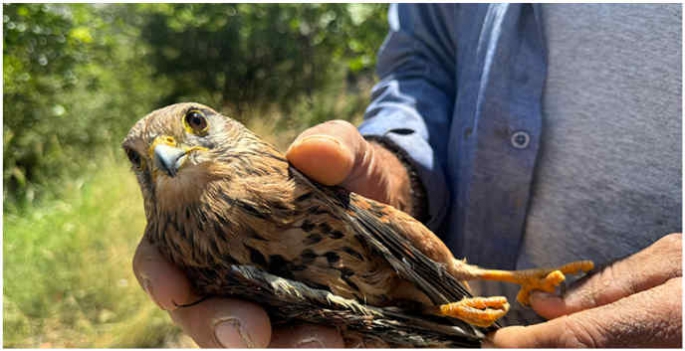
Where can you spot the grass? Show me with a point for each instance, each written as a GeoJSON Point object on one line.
{"type": "Point", "coordinates": [67, 268]}
{"type": "Point", "coordinates": [67, 261]}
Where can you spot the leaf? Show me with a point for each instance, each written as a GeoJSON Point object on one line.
{"type": "Point", "coordinates": [81, 34]}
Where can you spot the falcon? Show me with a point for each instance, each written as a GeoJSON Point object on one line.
{"type": "Point", "coordinates": [229, 210]}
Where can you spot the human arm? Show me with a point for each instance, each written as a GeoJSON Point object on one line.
{"type": "Point", "coordinates": [412, 104]}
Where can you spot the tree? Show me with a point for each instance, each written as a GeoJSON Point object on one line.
{"type": "Point", "coordinates": [65, 94]}
{"type": "Point", "coordinates": [246, 54]}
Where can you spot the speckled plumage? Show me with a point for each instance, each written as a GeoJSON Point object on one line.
{"type": "Point", "coordinates": [233, 203]}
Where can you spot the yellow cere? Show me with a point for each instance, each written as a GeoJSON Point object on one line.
{"type": "Point", "coordinates": [168, 140]}
{"type": "Point", "coordinates": [163, 139]}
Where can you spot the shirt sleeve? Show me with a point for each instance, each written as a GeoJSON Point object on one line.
{"type": "Point", "coordinates": [412, 104]}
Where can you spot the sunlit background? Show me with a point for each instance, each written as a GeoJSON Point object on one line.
{"type": "Point", "coordinates": [76, 77]}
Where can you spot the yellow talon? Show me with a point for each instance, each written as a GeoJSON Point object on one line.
{"type": "Point", "coordinates": [546, 284]}
{"type": "Point", "coordinates": [478, 311]}
{"type": "Point", "coordinates": [545, 279]}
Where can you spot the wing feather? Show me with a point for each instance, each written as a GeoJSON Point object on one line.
{"type": "Point", "coordinates": [408, 261]}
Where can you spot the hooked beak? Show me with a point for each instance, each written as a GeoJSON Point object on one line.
{"type": "Point", "coordinates": [168, 158]}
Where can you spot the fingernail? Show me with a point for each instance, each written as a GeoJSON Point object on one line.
{"type": "Point", "coordinates": [147, 285]}
{"type": "Point", "coordinates": [229, 334]}
{"type": "Point", "coordinates": [318, 138]}
{"type": "Point", "coordinates": [310, 343]}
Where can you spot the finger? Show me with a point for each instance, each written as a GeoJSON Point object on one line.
{"type": "Point", "coordinates": [328, 152]}
{"type": "Point", "coordinates": [166, 285]}
{"type": "Point", "coordinates": [649, 318]}
{"type": "Point", "coordinates": [306, 336]}
{"type": "Point", "coordinates": [230, 323]}
{"type": "Point", "coordinates": [334, 153]}
{"type": "Point", "coordinates": [648, 268]}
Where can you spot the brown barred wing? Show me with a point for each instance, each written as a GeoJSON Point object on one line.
{"type": "Point", "coordinates": [408, 261]}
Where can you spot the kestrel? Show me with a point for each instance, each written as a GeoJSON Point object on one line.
{"type": "Point", "coordinates": [227, 208]}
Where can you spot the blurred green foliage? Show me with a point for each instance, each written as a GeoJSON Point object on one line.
{"type": "Point", "coordinates": [242, 54]}
{"type": "Point", "coordinates": [76, 77]}
{"type": "Point", "coordinates": [73, 83]}
{"type": "Point", "coordinates": [67, 275]}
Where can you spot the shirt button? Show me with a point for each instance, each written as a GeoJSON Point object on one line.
{"type": "Point", "coordinates": [520, 139]}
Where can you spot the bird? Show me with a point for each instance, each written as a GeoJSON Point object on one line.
{"type": "Point", "coordinates": [228, 209]}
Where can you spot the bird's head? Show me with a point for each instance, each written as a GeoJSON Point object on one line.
{"type": "Point", "coordinates": [178, 150]}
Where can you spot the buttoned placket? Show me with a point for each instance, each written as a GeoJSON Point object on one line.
{"type": "Point", "coordinates": [499, 141]}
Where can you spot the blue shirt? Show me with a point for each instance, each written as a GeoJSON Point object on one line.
{"type": "Point", "coordinates": [460, 91]}
{"type": "Point", "coordinates": [466, 89]}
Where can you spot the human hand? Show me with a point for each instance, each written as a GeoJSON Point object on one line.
{"type": "Point", "coordinates": [332, 153]}
{"type": "Point", "coordinates": [635, 302]}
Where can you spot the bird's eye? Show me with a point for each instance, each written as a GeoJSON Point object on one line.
{"type": "Point", "coordinates": [134, 157]}
{"type": "Point", "coordinates": [196, 122]}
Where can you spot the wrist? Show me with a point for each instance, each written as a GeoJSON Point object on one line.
{"type": "Point", "coordinates": [405, 191]}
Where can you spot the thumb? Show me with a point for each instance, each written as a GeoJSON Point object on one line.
{"type": "Point", "coordinates": [328, 152]}
{"type": "Point", "coordinates": [646, 269]}
{"type": "Point", "coordinates": [334, 153]}
{"type": "Point", "coordinates": [650, 318]}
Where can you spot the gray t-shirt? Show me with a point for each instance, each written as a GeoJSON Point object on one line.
{"type": "Point", "coordinates": [611, 137]}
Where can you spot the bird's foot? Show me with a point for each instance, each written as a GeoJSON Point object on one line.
{"type": "Point", "coordinates": [478, 311]}
{"type": "Point", "coordinates": [544, 279]}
